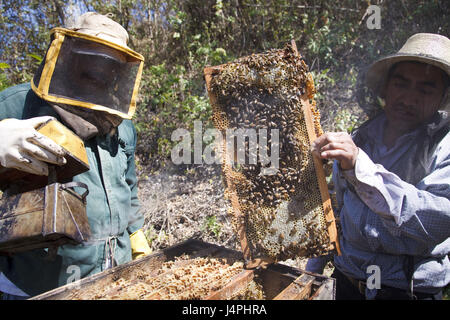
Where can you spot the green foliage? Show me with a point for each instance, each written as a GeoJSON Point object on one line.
{"type": "Point", "coordinates": [446, 293]}
{"type": "Point", "coordinates": [211, 225]}
{"type": "Point", "coordinates": [150, 235]}
{"type": "Point", "coordinates": [178, 38]}
{"type": "Point", "coordinates": [346, 121]}
{"type": "Point", "coordinates": [37, 58]}
{"type": "Point", "coordinates": [4, 82]}
{"type": "Point", "coordinates": [170, 103]}
{"type": "Point", "coordinates": [322, 80]}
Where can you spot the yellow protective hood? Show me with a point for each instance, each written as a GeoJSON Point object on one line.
{"type": "Point", "coordinates": [90, 72]}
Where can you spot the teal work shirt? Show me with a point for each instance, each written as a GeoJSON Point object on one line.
{"type": "Point", "coordinates": [112, 205]}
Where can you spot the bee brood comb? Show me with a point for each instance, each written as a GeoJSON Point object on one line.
{"type": "Point", "coordinates": [284, 212]}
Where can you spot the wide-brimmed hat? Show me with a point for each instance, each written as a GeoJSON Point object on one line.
{"type": "Point", "coordinates": [433, 49]}
{"type": "Point", "coordinates": [101, 26]}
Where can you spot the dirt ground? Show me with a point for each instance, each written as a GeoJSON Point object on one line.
{"type": "Point", "coordinates": [181, 203]}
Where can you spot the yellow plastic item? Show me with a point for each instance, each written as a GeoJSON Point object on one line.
{"type": "Point", "coordinates": [139, 245]}
{"type": "Point", "coordinates": [42, 84]}
{"type": "Point", "coordinates": [64, 137]}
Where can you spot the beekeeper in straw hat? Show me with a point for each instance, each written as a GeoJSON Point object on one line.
{"type": "Point", "coordinates": [89, 81]}
{"type": "Point", "coordinates": [392, 180]}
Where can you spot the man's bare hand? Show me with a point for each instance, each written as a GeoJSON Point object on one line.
{"type": "Point", "coordinates": [337, 146]}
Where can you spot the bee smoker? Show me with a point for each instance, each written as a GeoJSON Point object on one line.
{"type": "Point", "coordinates": [45, 212]}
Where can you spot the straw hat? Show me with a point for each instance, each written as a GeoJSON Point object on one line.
{"type": "Point", "coordinates": [427, 48]}
{"type": "Point", "coordinates": [98, 25]}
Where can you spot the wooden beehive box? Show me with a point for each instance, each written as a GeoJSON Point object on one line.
{"type": "Point", "coordinates": [278, 282]}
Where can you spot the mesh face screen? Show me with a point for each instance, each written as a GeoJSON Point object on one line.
{"type": "Point", "coordinates": [93, 73]}
{"type": "Point", "coordinates": [281, 213]}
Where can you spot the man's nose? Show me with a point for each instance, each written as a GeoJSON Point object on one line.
{"type": "Point", "coordinates": [410, 97]}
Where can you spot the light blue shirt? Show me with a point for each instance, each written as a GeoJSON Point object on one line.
{"type": "Point", "coordinates": [388, 209]}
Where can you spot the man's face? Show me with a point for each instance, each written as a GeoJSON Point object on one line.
{"type": "Point", "coordinates": [95, 67]}
{"type": "Point", "coordinates": [413, 94]}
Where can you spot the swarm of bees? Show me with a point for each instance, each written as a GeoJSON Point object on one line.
{"type": "Point", "coordinates": [281, 212]}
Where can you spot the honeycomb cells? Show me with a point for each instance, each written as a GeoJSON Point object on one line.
{"type": "Point", "coordinates": [185, 278]}
{"type": "Point", "coordinates": [282, 211]}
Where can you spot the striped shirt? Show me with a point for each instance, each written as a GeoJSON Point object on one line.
{"type": "Point", "coordinates": [396, 203]}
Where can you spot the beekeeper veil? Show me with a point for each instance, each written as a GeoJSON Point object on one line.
{"type": "Point", "coordinates": [90, 72]}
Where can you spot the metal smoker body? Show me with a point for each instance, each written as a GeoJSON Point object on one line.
{"type": "Point", "coordinates": [45, 212]}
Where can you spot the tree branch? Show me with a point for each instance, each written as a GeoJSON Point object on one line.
{"type": "Point", "coordinates": [293, 6]}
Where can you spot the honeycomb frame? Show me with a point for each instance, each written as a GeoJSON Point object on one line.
{"type": "Point", "coordinates": [288, 214]}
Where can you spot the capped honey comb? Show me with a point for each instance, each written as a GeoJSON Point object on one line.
{"type": "Point", "coordinates": [280, 209]}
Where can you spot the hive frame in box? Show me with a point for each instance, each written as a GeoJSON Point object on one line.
{"type": "Point", "coordinates": [310, 122]}
{"type": "Point", "coordinates": [282, 282]}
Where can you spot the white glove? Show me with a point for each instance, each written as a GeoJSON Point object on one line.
{"type": "Point", "coordinates": [25, 149]}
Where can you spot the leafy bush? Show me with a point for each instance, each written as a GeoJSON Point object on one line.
{"type": "Point", "coordinates": [178, 38]}
{"type": "Point", "coordinates": [211, 225]}
{"type": "Point", "coordinates": [4, 82]}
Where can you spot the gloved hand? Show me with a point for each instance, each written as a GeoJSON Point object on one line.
{"type": "Point", "coordinates": [139, 245]}
{"type": "Point", "coordinates": [25, 149]}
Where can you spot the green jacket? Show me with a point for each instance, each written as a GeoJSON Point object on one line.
{"type": "Point", "coordinates": [112, 204]}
